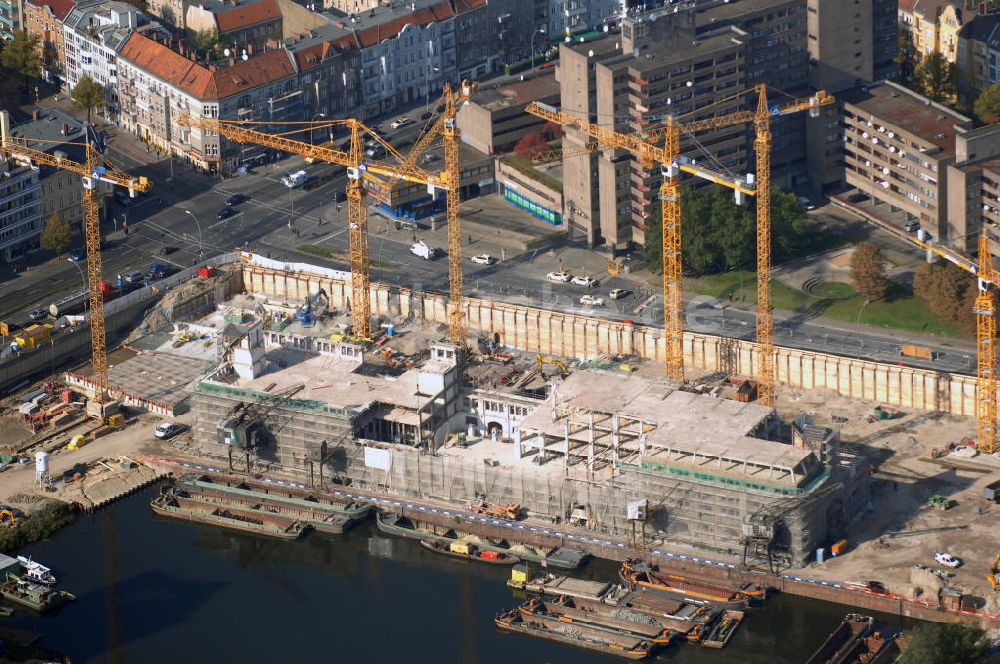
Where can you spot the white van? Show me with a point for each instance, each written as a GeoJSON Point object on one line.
{"type": "Point", "coordinates": [296, 179]}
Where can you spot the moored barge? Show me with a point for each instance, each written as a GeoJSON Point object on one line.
{"type": "Point", "coordinates": [514, 621]}
{"type": "Point", "coordinates": [640, 574]}
{"type": "Point", "coordinates": [468, 551]}
{"type": "Point", "coordinates": [32, 595]}
{"type": "Point", "coordinates": [845, 639]}
{"type": "Point", "coordinates": [176, 506]}
{"type": "Point", "coordinates": [610, 617]}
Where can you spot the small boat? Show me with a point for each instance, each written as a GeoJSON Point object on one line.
{"type": "Point", "coordinates": [720, 633]}
{"type": "Point", "coordinates": [402, 526]}
{"type": "Point", "coordinates": [176, 506]}
{"type": "Point", "coordinates": [849, 633]}
{"type": "Point", "coordinates": [467, 551]}
{"type": "Point", "coordinates": [6, 612]}
{"type": "Point", "coordinates": [35, 597]}
{"type": "Point", "coordinates": [514, 621]}
{"type": "Point", "coordinates": [36, 572]}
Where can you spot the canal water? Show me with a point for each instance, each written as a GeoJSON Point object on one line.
{"type": "Point", "coordinates": [155, 590]}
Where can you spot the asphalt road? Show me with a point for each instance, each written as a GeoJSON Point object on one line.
{"type": "Point", "coordinates": [180, 213]}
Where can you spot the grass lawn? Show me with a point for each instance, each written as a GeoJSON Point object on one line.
{"type": "Point", "coordinates": [837, 300]}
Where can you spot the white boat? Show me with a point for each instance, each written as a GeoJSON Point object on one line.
{"type": "Point", "coordinates": [36, 572]}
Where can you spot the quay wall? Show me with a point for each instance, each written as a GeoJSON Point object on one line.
{"type": "Point", "coordinates": [536, 329]}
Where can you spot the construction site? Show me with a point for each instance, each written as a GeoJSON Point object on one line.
{"type": "Point", "coordinates": [643, 438]}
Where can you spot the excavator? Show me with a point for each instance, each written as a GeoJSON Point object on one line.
{"type": "Point", "coordinates": [542, 361]}
{"type": "Point", "coordinates": [305, 313]}
{"type": "Point", "coordinates": [511, 511]}
{"type": "Point", "coordinates": [994, 575]}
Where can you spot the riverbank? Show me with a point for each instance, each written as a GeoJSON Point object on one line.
{"type": "Point", "coordinates": [49, 518]}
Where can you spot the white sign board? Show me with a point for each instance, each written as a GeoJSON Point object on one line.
{"type": "Point", "coordinates": [376, 458]}
{"type": "Point", "coordinates": [637, 509]}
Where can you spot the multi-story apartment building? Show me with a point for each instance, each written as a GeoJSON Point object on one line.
{"type": "Point", "coordinates": [94, 32]}
{"type": "Point", "coordinates": [11, 18]}
{"type": "Point", "coordinates": [20, 211]}
{"type": "Point", "coordinates": [494, 119]}
{"type": "Point", "coordinates": [157, 85]}
{"type": "Point", "coordinates": [897, 146]}
{"type": "Point", "coordinates": [934, 25]}
{"type": "Point", "coordinates": [569, 17]}
{"type": "Point", "coordinates": [851, 43]}
{"type": "Point", "coordinates": [44, 19]}
{"type": "Point", "coordinates": [246, 25]}
{"type": "Point", "coordinates": [57, 133]}
{"type": "Point", "coordinates": [329, 67]}
{"type": "Point", "coordinates": [978, 63]}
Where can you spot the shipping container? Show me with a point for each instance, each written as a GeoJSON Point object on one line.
{"type": "Point", "coordinates": [34, 335]}
{"type": "Point", "coordinates": [839, 547]}
{"type": "Point", "coordinates": [459, 547]}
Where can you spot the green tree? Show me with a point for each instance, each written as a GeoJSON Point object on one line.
{"type": "Point", "coordinates": [868, 271]}
{"type": "Point", "coordinates": [87, 95]}
{"type": "Point", "coordinates": [56, 234]}
{"type": "Point", "coordinates": [22, 55]}
{"type": "Point", "coordinates": [946, 643]}
{"type": "Point", "coordinates": [208, 43]}
{"type": "Point", "coordinates": [936, 76]}
{"type": "Point", "coordinates": [904, 55]}
{"type": "Point", "coordinates": [987, 107]}
{"type": "Point", "coordinates": [949, 292]}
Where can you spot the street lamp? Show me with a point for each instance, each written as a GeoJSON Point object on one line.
{"type": "Point", "coordinates": [311, 128]}
{"type": "Point", "coordinates": [83, 278]}
{"type": "Point", "coordinates": [198, 224]}
{"type": "Point", "coordinates": [539, 31]}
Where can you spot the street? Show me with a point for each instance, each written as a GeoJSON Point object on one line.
{"type": "Point", "coordinates": [176, 223]}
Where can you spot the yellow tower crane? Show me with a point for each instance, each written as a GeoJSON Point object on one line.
{"type": "Point", "coordinates": [91, 171]}
{"type": "Point", "coordinates": [357, 168]}
{"type": "Point", "coordinates": [761, 119]}
{"type": "Point", "coordinates": [988, 280]}
{"type": "Point", "coordinates": [672, 164]}
{"type": "Point", "coordinates": [669, 158]}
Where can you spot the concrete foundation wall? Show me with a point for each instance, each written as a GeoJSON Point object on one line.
{"type": "Point", "coordinates": [568, 335]}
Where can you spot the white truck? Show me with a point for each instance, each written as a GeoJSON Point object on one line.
{"type": "Point", "coordinates": [423, 250]}
{"type": "Point", "coordinates": [296, 179]}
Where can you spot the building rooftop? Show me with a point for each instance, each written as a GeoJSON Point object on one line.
{"type": "Point", "coordinates": [231, 16]}
{"type": "Point", "coordinates": [660, 55]}
{"type": "Point", "coordinates": [906, 111]}
{"type": "Point", "coordinates": [204, 82]}
{"type": "Point", "coordinates": [53, 130]}
{"type": "Point", "coordinates": [518, 93]}
{"type": "Point", "coordinates": [59, 8]}
{"type": "Point", "coordinates": [980, 28]}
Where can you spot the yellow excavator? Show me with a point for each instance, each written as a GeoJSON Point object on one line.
{"type": "Point", "coordinates": [994, 575]}
{"type": "Point", "coordinates": [614, 269]}
{"type": "Point", "coordinates": [542, 361]}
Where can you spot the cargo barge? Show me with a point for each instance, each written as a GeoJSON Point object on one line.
{"type": "Point", "coordinates": [317, 516]}
{"type": "Point", "coordinates": [32, 595]}
{"type": "Point", "coordinates": [849, 634]}
{"type": "Point", "coordinates": [513, 621]}
{"type": "Point", "coordinates": [175, 506]}
{"type": "Point", "coordinates": [467, 551]}
{"type": "Point", "coordinates": [251, 487]}
{"type": "Point", "coordinates": [562, 557]}
{"type": "Point", "coordinates": [625, 621]}
{"type": "Point", "coordinates": [640, 574]}
{"type": "Point", "coordinates": [722, 631]}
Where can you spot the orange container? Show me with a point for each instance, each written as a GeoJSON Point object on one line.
{"type": "Point", "coordinates": [839, 547]}
{"type": "Point", "coordinates": [489, 554]}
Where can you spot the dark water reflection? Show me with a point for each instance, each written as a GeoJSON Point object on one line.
{"type": "Point", "coordinates": [154, 590]}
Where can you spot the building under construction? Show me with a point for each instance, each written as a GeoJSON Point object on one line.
{"type": "Point", "coordinates": [618, 454]}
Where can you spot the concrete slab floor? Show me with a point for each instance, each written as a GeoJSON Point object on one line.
{"type": "Point", "coordinates": [159, 376]}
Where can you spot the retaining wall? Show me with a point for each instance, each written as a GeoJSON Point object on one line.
{"type": "Point", "coordinates": [586, 337]}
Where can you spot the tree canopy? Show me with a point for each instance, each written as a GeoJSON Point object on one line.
{"type": "Point", "coordinates": [717, 234]}
{"type": "Point", "coordinates": [209, 43]}
{"type": "Point", "coordinates": [87, 95]}
{"type": "Point", "coordinates": [946, 643]}
{"type": "Point", "coordinates": [531, 145]}
{"type": "Point", "coordinates": [987, 107]}
{"type": "Point", "coordinates": [56, 234]}
{"type": "Point", "coordinates": [936, 76]}
{"type": "Point", "coordinates": [949, 291]}
{"type": "Point", "coordinates": [868, 271]}
{"type": "Point", "coordinates": [22, 55]}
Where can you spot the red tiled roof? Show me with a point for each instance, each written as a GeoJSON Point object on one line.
{"type": "Point", "coordinates": [312, 56]}
{"type": "Point", "coordinates": [425, 16]}
{"type": "Point", "coordinates": [243, 16]}
{"type": "Point", "coordinates": [59, 8]}
{"type": "Point", "coordinates": [198, 80]}
{"type": "Point", "coordinates": [907, 5]}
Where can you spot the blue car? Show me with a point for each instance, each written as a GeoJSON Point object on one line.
{"type": "Point", "coordinates": [78, 255]}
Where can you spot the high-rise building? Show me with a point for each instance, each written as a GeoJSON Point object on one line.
{"type": "Point", "coordinates": [20, 211]}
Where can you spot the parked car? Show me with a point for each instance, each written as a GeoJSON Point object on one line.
{"type": "Point", "coordinates": [947, 559]}
{"type": "Point", "coordinates": [37, 314]}
{"type": "Point", "coordinates": [158, 271]}
{"type": "Point", "coordinates": [912, 226]}
{"type": "Point", "coordinates": [429, 157]}
{"type": "Point", "coordinates": [166, 430]}
{"type": "Point", "coordinates": [235, 199]}
{"type": "Point", "coordinates": [376, 151]}
{"type": "Point", "coordinates": [560, 276]}
{"type": "Point", "coordinates": [619, 293]}
{"type": "Point", "coordinates": [225, 213]}
{"type": "Point", "coordinates": [401, 121]}
{"type": "Point", "coordinates": [806, 203]}
{"type": "Point", "coordinates": [583, 280]}
{"type": "Point", "coordinates": [483, 259]}
{"type": "Point", "coordinates": [78, 255]}
{"type": "Point", "coordinates": [591, 301]}
{"type": "Point", "coordinates": [134, 277]}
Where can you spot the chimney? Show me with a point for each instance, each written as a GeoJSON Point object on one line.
{"type": "Point", "coordinates": [193, 56]}
{"type": "Point", "coordinates": [34, 116]}
{"type": "Point", "coordinates": [250, 50]}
